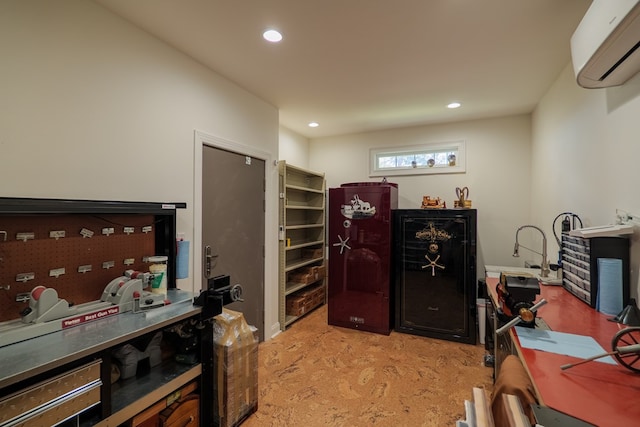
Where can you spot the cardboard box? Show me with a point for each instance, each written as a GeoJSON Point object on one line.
{"type": "Point", "coordinates": [236, 369]}
{"type": "Point", "coordinates": [297, 305]}
{"type": "Point", "coordinates": [303, 278]}
{"type": "Point", "coordinates": [305, 300]}
{"type": "Point", "coordinates": [307, 275]}
{"type": "Point", "coordinates": [322, 271]}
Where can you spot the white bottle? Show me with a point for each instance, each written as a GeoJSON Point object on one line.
{"type": "Point", "coordinates": [158, 268]}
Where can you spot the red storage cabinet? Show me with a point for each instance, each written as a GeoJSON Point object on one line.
{"type": "Point", "coordinates": [360, 247]}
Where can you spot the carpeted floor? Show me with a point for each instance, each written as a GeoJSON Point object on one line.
{"type": "Point", "coordinates": [314, 374]}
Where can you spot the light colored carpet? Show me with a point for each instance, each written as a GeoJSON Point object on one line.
{"type": "Point", "coordinates": [314, 374]}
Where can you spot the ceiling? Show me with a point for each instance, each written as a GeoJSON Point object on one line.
{"type": "Point", "coordinates": [363, 65]}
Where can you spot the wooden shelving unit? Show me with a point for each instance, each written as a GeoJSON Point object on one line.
{"type": "Point", "coordinates": [302, 234]}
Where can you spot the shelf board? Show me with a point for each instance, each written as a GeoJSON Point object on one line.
{"type": "Point", "coordinates": [160, 382]}
{"type": "Point", "coordinates": [290, 319]}
{"type": "Point", "coordinates": [308, 189]}
{"type": "Point", "coordinates": [297, 263]}
{"type": "Point", "coordinates": [305, 207]}
{"type": "Point", "coordinates": [302, 171]}
{"type": "Point", "coordinates": [291, 287]}
{"type": "Point", "coordinates": [303, 226]}
{"type": "Point", "coordinates": [304, 245]}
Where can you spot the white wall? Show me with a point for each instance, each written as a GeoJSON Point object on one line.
{"type": "Point", "coordinates": [585, 155]}
{"type": "Point", "coordinates": [94, 108]}
{"type": "Point", "coordinates": [294, 148]}
{"type": "Point", "coordinates": [578, 152]}
{"type": "Point", "coordinates": [497, 174]}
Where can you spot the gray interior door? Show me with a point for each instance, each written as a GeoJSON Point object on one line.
{"type": "Point", "coordinates": [233, 217]}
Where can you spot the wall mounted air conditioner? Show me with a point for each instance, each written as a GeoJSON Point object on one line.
{"type": "Point", "coordinates": [605, 46]}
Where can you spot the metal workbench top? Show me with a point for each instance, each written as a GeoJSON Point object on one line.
{"type": "Point", "coordinates": [25, 359]}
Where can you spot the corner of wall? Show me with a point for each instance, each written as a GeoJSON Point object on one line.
{"type": "Point", "coordinates": [293, 147]}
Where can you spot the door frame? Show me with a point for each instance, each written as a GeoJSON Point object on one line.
{"type": "Point", "coordinates": [270, 258]}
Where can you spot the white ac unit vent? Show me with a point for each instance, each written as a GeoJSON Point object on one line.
{"type": "Point", "coordinates": [605, 48]}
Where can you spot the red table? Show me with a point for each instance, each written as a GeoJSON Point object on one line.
{"type": "Point", "coordinates": [599, 393]}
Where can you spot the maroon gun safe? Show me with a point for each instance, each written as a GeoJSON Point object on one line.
{"type": "Point", "coordinates": [360, 255]}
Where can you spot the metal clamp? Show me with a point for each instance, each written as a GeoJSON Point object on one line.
{"type": "Point", "coordinates": [236, 293]}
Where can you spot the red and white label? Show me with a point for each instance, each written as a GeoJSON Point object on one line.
{"type": "Point", "coordinates": [88, 317]}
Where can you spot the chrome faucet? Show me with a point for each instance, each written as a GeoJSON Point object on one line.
{"type": "Point", "coordinates": [544, 267]}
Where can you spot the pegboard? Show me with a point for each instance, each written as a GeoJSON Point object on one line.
{"type": "Point", "coordinates": [44, 253]}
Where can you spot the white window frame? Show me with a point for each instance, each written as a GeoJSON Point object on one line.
{"type": "Point", "coordinates": [456, 146]}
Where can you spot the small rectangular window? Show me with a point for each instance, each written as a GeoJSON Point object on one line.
{"type": "Point", "coordinates": [445, 157]}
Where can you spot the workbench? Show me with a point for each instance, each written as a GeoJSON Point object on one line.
{"type": "Point", "coordinates": [603, 394]}
{"type": "Point", "coordinates": [37, 363]}
{"type": "Point", "coordinates": [69, 376]}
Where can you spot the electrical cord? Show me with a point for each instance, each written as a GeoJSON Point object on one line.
{"type": "Point", "coordinates": [567, 214]}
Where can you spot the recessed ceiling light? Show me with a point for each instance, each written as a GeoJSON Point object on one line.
{"type": "Point", "coordinates": [272, 36]}
{"type": "Point", "coordinates": [454, 105]}
{"type": "Point", "coordinates": [313, 125]}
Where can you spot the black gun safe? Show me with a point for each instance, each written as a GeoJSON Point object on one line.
{"type": "Point", "coordinates": [435, 273]}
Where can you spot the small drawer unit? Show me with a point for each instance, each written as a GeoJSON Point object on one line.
{"type": "Point", "coordinates": [54, 400]}
{"type": "Point", "coordinates": [580, 258]}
